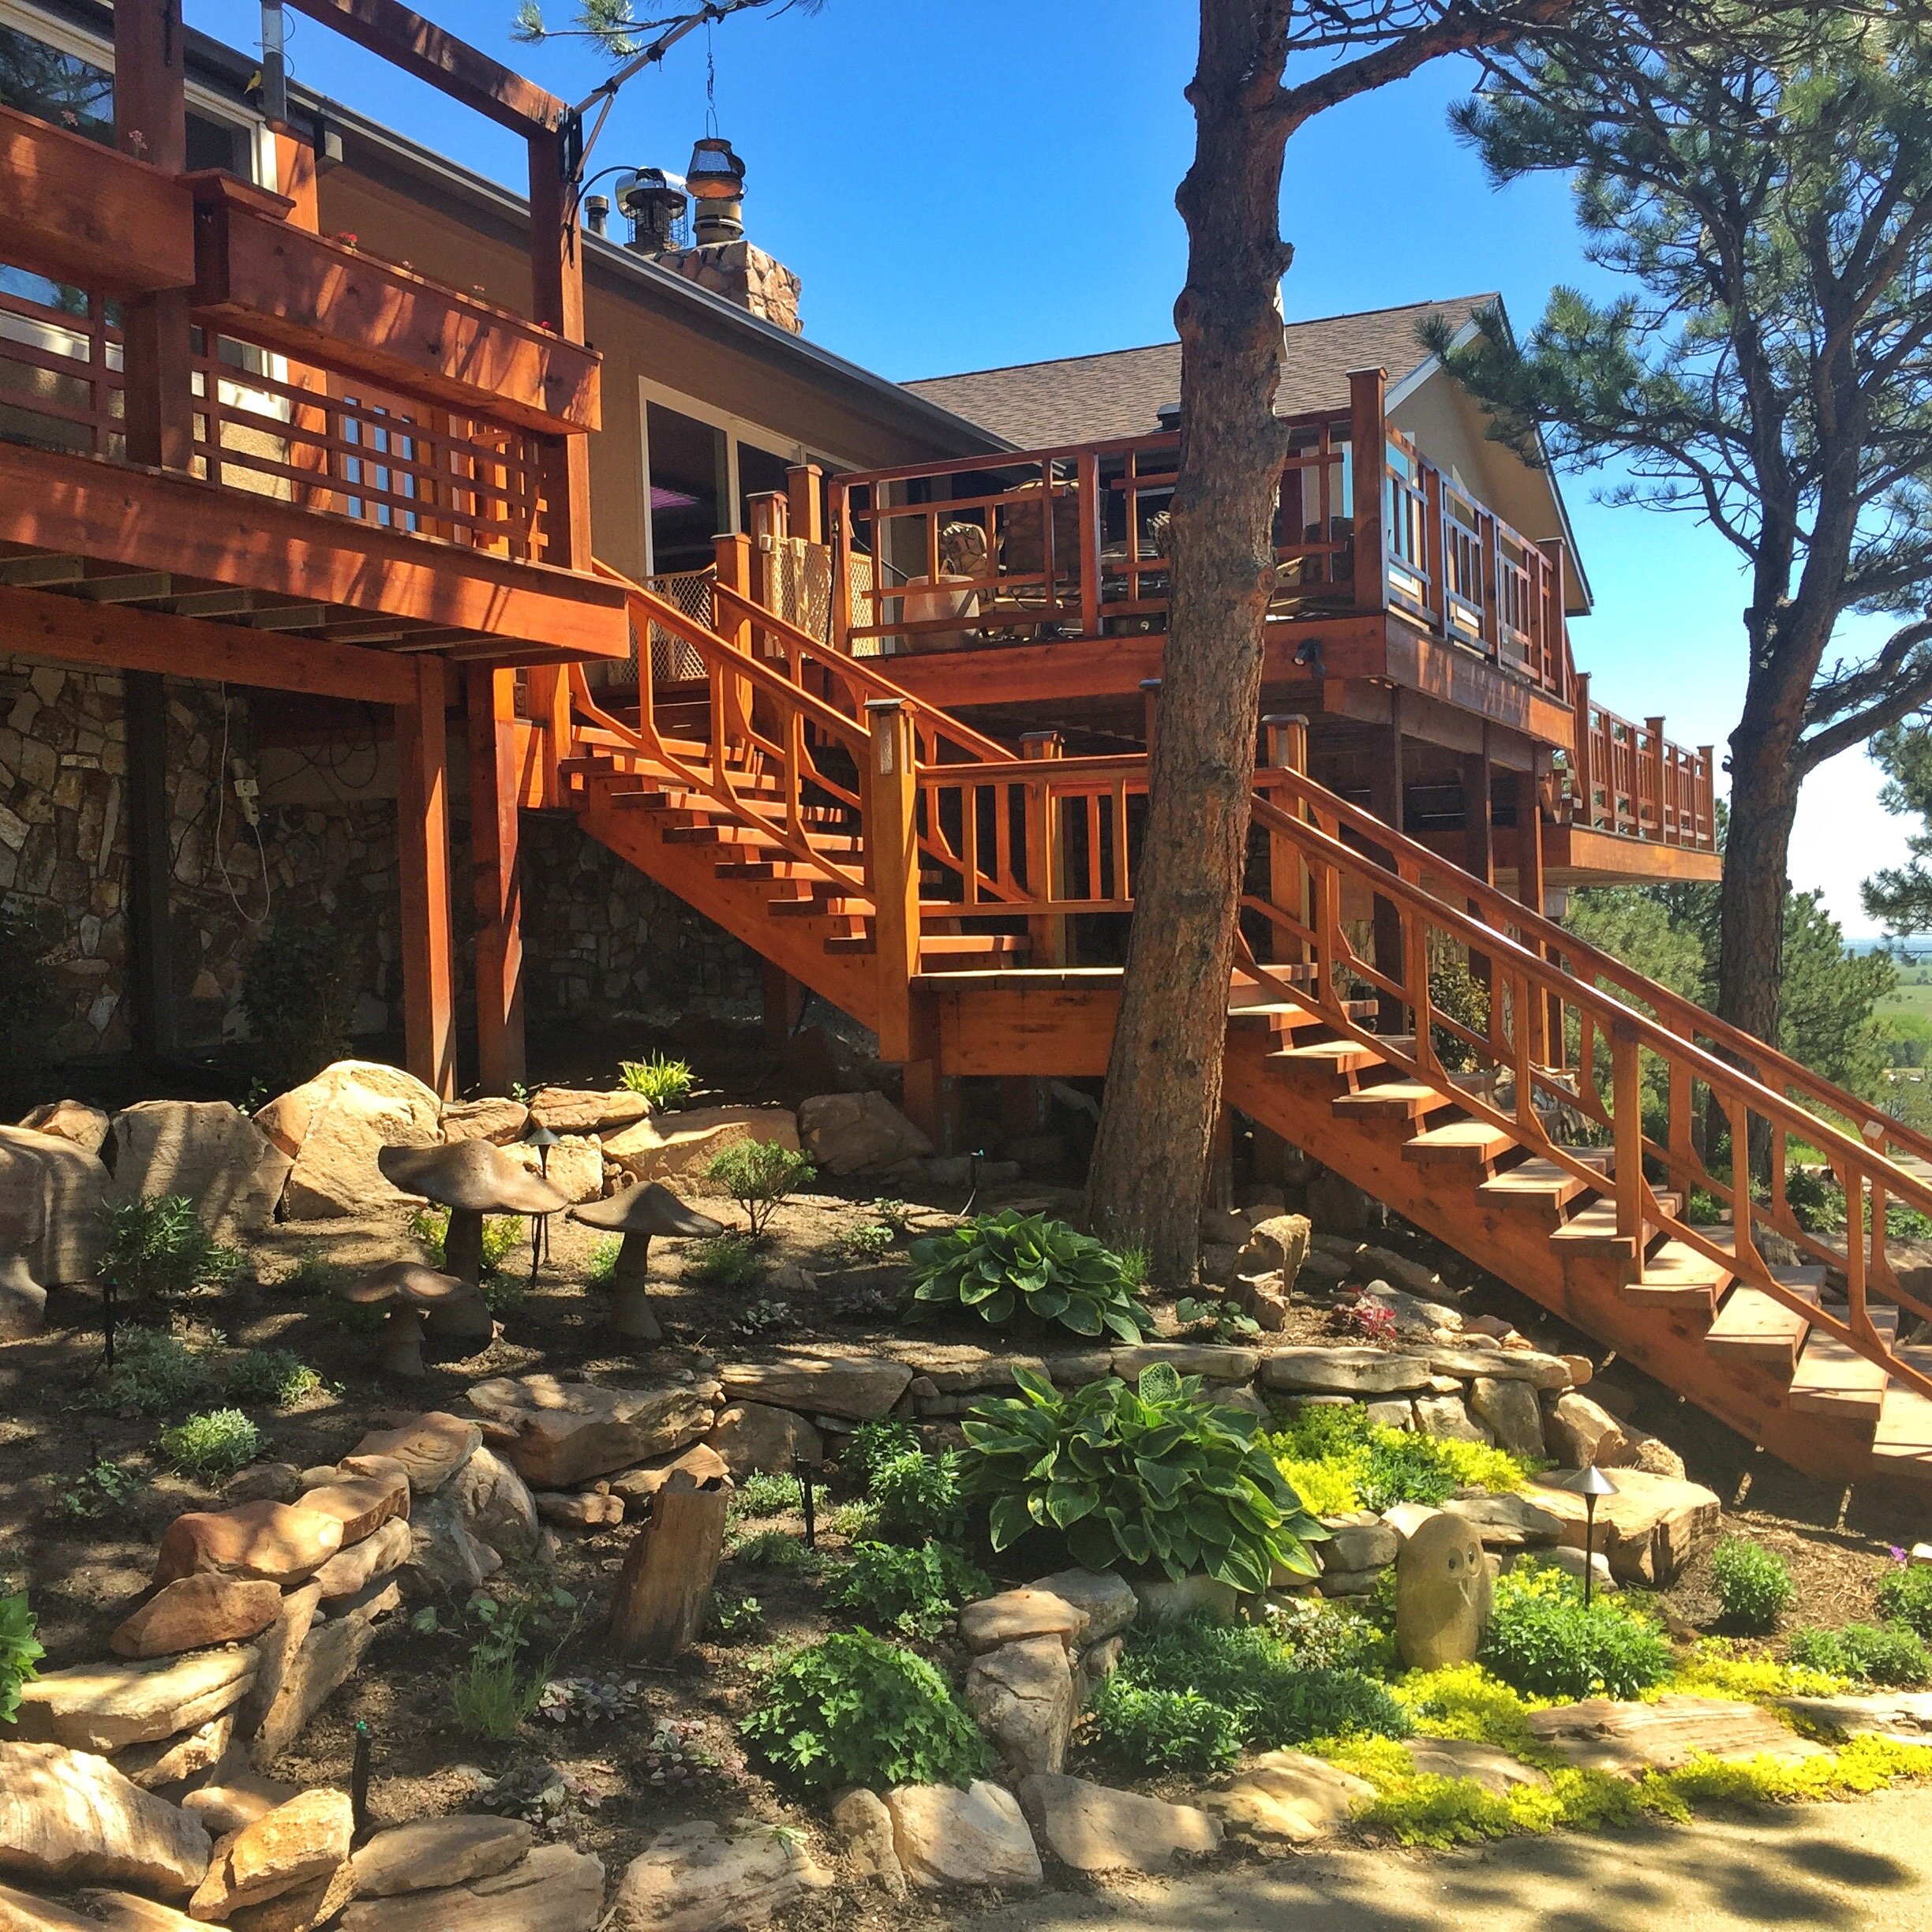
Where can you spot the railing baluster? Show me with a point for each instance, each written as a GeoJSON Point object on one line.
{"type": "Point", "coordinates": [1627, 1127]}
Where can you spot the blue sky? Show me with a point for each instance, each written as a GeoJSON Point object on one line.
{"type": "Point", "coordinates": [966, 183]}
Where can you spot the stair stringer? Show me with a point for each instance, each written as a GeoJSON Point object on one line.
{"type": "Point", "coordinates": [1512, 1242]}
{"type": "Point", "coordinates": [636, 834]}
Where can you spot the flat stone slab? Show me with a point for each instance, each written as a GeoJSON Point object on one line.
{"type": "Point", "coordinates": [1502, 1365]}
{"type": "Point", "coordinates": [277, 1542]}
{"type": "Point", "coordinates": [431, 1853]}
{"type": "Point", "coordinates": [1013, 1617]}
{"type": "Point", "coordinates": [695, 1878]}
{"type": "Point", "coordinates": [1352, 1370]}
{"type": "Point", "coordinates": [1094, 1828]}
{"type": "Point", "coordinates": [1107, 1599]}
{"type": "Point", "coordinates": [107, 1705]}
{"type": "Point", "coordinates": [948, 1837]}
{"type": "Point", "coordinates": [1288, 1795]}
{"type": "Point", "coordinates": [1189, 1358]}
{"type": "Point", "coordinates": [860, 1388]}
{"type": "Point", "coordinates": [294, 1844]}
{"type": "Point", "coordinates": [432, 1448]}
{"type": "Point", "coordinates": [1629, 1739]}
{"type": "Point", "coordinates": [1508, 1521]}
{"type": "Point", "coordinates": [1905, 1716]}
{"type": "Point", "coordinates": [555, 1889]}
{"type": "Point", "coordinates": [70, 1818]}
{"type": "Point", "coordinates": [1495, 1771]}
{"type": "Point", "coordinates": [566, 1433]}
{"type": "Point", "coordinates": [1649, 1530]}
{"type": "Point", "coordinates": [194, 1612]}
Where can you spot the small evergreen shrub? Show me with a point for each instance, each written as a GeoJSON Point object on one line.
{"type": "Point", "coordinates": [1543, 1640]}
{"type": "Point", "coordinates": [1752, 1585]}
{"type": "Point", "coordinates": [1867, 1654]}
{"type": "Point", "coordinates": [1003, 1264]}
{"type": "Point", "coordinates": [916, 1497]}
{"type": "Point", "coordinates": [20, 1651]}
{"type": "Point", "coordinates": [760, 1176]}
{"type": "Point", "coordinates": [916, 1592]}
{"type": "Point", "coordinates": [665, 1082]}
{"type": "Point", "coordinates": [724, 1261]}
{"type": "Point", "coordinates": [211, 1446]}
{"type": "Point", "coordinates": [765, 1492]}
{"type": "Point", "coordinates": [1142, 1730]}
{"type": "Point", "coordinates": [854, 1709]}
{"type": "Point", "coordinates": [157, 1249]}
{"type": "Point", "coordinates": [1154, 1475]}
{"type": "Point", "coordinates": [1905, 1596]}
{"type": "Point", "coordinates": [298, 995]}
{"type": "Point", "coordinates": [159, 1373]}
{"type": "Point", "coordinates": [603, 1262]}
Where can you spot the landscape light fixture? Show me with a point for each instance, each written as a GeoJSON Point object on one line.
{"type": "Point", "coordinates": [1590, 1484]}
{"type": "Point", "coordinates": [538, 1136]}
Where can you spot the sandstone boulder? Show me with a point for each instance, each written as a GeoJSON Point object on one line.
{"type": "Point", "coordinates": [1649, 1530]}
{"type": "Point", "coordinates": [1495, 1771]}
{"type": "Point", "coordinates": [575, 1168]}
{"type": "Point", "coordinates": [168, 1761]}
{"type": "Point", "coordinates": [304, 1907]}
{"type": "Point", "coordinates": [568, 1432]}
{"type": "Point", "coordinates": [209, 1151]}
{"type": "Point", "coordinates": [687, 1142]}
{"type": "Point", "coordinates": [695, 1878]}
{"type": "Point", "coordinates": [1508, 1521]}
{"type": "Point", "coordinates": [493, 1503]}
{"type": "Point", "coordinates": [1286, 1795]}
{"type": "Point", "coordinates": [820, 1382]}
{"type": "Point", "coordinates": [864, 1827]}
{"type": "Point", "coordinates": [276, 1650]}
{"type": "Point", "coordinates": [1278, 1245]}
{"type": "Point", "coordinates": [974, 1838]}
{"type": "Point", "coordinates": [195, 1613]}
{"type": "Point", "coordinates": [233, 1796]}
{"type": "Point", "coordinates": [586, 1509]}
{"type": "Point", "coordinates": [1336, 1206]}
{"type": "Point", "coordinates": [1017, 1616]}
{"type": "Point", "coordinates": [1209, 1361]}
{"type": "Point", "coordinates": [497, 1121]}
{"type": "Point", "coordinates": [431, 1853]}
{"type": "Point", "coordinates": [326, 1657]}
{"type": "Point", "coordinates": [278, 1542]}
{"type": "Point", "coordinates": [858, 1132]}
{"type": "Point", "coordinates": [1107, 1599]}
{"type": "Point", "coordinates": [87, 1127]}
{"type": "Point", "coordinates": [752, 1436]}
{"type": "Point", "coordinates": [332, 1126]}
{"type": "Point", "coordinates": [1021, 1696]}
{"type": "Point", "coordinates": [1628, 1739]}
{"type": "Point", "coordinates": [1510, 1411]}
{"type": "Point", "coordinates": [302, 1840]}
{"type": "Point", "coordinates": [584, 1111]}
{"type": "Point", "coordinates": [54, 1198]}
{"type": "Point", "coordinates": [89, 1910]}
{"type": "Point", "coordinates": [104, 1706]}
{"type": "Point", "coordinates": [555, 1889]}
{"type": "Point", "coordinates": [1530, 1365]}
{"type": "Point", "coordinates": [444, 1559]}
{"type": "Point", "coordinates": [1094, 1828]}
{"type": "Point", "coordinates": [361, 1500]}
{"type": "Point", "coordinates": [1448, 1417]}
{"type": "Point", "coordinates": [350, 1571]}
{"type": "Point", "coordinates": [1579, 1432]}
{"type": "Point", "coordinates": [430, 1448]}
{"type": "Point", "coordinates": [1350, 1371]}
{"type": "Point", "coordinates": [69, 1817]}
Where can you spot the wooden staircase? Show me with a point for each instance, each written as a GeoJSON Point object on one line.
{"type": "Point", "coordinates": [925, 880]}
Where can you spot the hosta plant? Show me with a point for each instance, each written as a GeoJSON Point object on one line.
{"type": "Point", "coordinates": [1002, 1264]}
{"type": "Point", "coordinates": [20, 1651]}
{"type": "Point", "coordinates": [1151, 1476]}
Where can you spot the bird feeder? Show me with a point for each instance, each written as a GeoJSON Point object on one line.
{"type": "Point", "coordinates": [716, 180]}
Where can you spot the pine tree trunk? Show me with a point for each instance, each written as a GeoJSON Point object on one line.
{"type": "Point", "coordinates": [1163, 1085]}
{"type": "Point", "coordinates": [1764, 802]}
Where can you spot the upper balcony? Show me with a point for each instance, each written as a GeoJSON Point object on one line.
{"type": "Point", "coordinates": [346, 450]}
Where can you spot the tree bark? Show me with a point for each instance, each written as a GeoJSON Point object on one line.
{"type": "Point", "coordinates": [1163, 1086]}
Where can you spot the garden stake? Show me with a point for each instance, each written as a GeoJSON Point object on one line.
{"type": "Point", "coordinates": [359, 1778]}
{"type": "Point", "coordinates": [805, 1496]}
{"type": "Point", "coordinates": [107, 1322]}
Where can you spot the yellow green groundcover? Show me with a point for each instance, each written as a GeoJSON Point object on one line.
{"type": "Point", "coordinates": [1424, 1809]}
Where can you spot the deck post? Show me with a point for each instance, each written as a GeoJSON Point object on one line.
{"type": "Point", "coordinates": [1385, 800]}
{"type": "Point", "coordinates": [1287, 737]}
{"type": "Point", "coordinates": [496, 881]}
{"type": "Point", "coordinates": [156, 1024]}
{"type": "Point", "coordinates": [1368, 444]}
{"type": "Point", "coordinates": [150, 123]}
{"type": "Point", "coordinates": [1046, 932]}
{"type": "Point", "coordinates": [422, 839]}
{"type": "Point", "coordinates": [1530, 890]}
{"type": "Point", "coordinates": [782, 1000]}
{"type": "Point", "coordinates": [1583, 779]}
{"type": "Point", "coordinates": [805, 491]}
{"type": "Point", "coordinates": [731, 557]}
{"type": "Point", "coordinates": [891, 832]}
{"type": "Point", "coordinates": [1659, 786]}
{"type": "Point", "coordinates": [1704, 833]}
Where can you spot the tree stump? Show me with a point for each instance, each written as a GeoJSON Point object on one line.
{"type": "Point", "coordinates": [665, 1587]}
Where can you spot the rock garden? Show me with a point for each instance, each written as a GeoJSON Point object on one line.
{"type": "Point", "coordinates": [629, 1504]}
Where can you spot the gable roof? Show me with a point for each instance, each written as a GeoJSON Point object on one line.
{"type": "Point", "coordinates": [1119, 393]}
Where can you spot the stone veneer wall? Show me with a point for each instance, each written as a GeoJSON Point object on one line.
{"type": "Point", "coordinates": [599, 937]}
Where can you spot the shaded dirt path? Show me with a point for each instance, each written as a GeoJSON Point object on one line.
{"type": "Point", "coordinates": [1852, 1867]}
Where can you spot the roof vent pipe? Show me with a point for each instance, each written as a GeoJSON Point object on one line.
{"type": "Point", "coordinates": [596, 214]}
{"type": "Point", "coordinates": [654, 207]}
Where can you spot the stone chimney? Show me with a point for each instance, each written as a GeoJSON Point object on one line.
{"type": "Point", "coordinates": [720, 259]}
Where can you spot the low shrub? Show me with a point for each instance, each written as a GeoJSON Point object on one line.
{"type": "Point", "coordinates": [1338, 1460]}
{"type": "Point", "coordinates": [157, 1249]}
{"type": "Point", "coordinates": [159, 1373]}
{"type": "Point", "coordinates": [777, 1549]}
{"type": "Point", "coordinates": [1145, 1730]}
{"type": "Point", "coordinates": [502, 1235]}
{"type": "Point", "coordinates": [760, 1176]}
{"type": "Point", "coordinates": [1543, 1639]}
{"type": "Point", "coordinates": [1867, 1654]}
{"type": "Point", "coordinates": [724, 1261]}
{"type": "Point", "coordinates": [867, 1241]}
{"type": "Point", "coordinates": [1216, 1321]}
{"type": "Point", "coordinates": [1154, 1475]}
{"type": "Point", "coordinates": [100, 1487]}
{"type": "Point", "coordinates": [916, 1592]}
{"type": "Point", "coordinates": [734, 1614]}
{"type": "Point", "coordinates": [603, 1262]}
{"type": "Point", "coordinates": [1320, 1635]}
{"type": "Point", "coordinates": [1752, 1585]}
{"type": "Point", "coordinates": [916, 1497]}
{"type": "Point", "coordinates": [1718, 1668]}
{"type": "Point", "coordinates": [496, 1690]}
{"type": "Point", "coordinates": [1905, 1596]}
{"type": "Point", "coordinates": [20, 1651]}
{"type": "Point", "coordinates": [854, 1709]}
{"type": "Point", "coordinates": [1003, 1264]}
{"type": "Point", "coordinates": [271, 1375]}
{"type": "Point", "coordinates": [1464, 1700]}
{"type": "Point", "coordinates": [873, 1443]}
{"type": "Point", "coordinates": [1276, 1700]}
{"type": "Point", "coordinates": [765, 1492]}
{"type": "Point", "coordinates": [665, 1082]}
{"type": "Point", "coordinates": [211, 1446]}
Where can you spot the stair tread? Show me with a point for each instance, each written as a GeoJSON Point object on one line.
{"type": "Point", "coordinates": [1400, 1100]}
{"type": "Point", "coordinates": [1832, 1378]}
{"type": "Point", "coordinates": [1902, 1443]}
{"type": "Point", "coordinates": [1539, 1178]}
{"type": "Point", "coordinates": [1342, 1055]}
{"type": "Point", "coordinates": [1473, 1140]}
{"type": "Point", "coordinates": [1753, 1323]}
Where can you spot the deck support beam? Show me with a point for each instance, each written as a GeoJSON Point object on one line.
{"type": "Point", "coordinates": [497, 883]}
{"type": "Point", "coordinates": [422, 840]}
{"type": "Point", "coordinates": [156, 1016]}
{"type": "Point", "coordinates": [783, 1000]}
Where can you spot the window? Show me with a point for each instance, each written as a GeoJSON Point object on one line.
{"type": "Point", "coordinates": [55, 85]}
{"type": "Point", "coordinates": [759, 472]}
{"type": "Point", "coordinates": [689, 481]}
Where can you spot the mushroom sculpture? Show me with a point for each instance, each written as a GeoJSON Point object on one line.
{"type": "Point", "coordinates": [23, 1300]}
{"type": "Point", "coordinates": [471, 1178]}
{"type": "Point", "coordinates": [636, 1214]}
{"type": "Point", "coordinates": [410, 1292]}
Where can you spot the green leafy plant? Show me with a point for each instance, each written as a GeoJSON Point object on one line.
{"type": "Point", "coordinates": [212, 1445]}
{"type": "Point", "coordinates": [1161, 1730]}
{"type": "Point", "coordinates": [1216, 1321]}
{"type": "Point", "coordinates": [1872, 1653]}
{"type": "Point", "coordinates": [603, 1262]}
{"type": "Point", "coordinates": [1543, 1639]}
{"type": "Point", "coordinates": [1003, 1263]}
{"type": "Point", "coordinates": [271, 1375]}
{"type": "Point", "coordinates": [502, 1235]}
{"type": "Point", "coordinates": [1338, 1460]}
{"type": "Point", "coordinates": [665, 1082]}
{"type": "Point", "coordinates": [1320, 1634]}
{"type": "Point", "coordinates": [867, 1241]}
{"type": "Point", "coordinates": [157, 1249]}
{"type": "Point", "coordinates": [1154, 1475]}
{"type": "Point", "coordinates": [157, 1373]}
{"type": "Point", "coordinates": [777, 1549]}
{"type": "Point", "coordinates": [496, 1690]}
{"type": "Point", "coordinates": [855, 1710]}
{"type": "Point", "coordinates": [1905, 1596]}
{"type": "Point", "coordinates": [20, 1651]}
{"type": "Point", "coordinates": [766, 1492]}
{"type": "Point", "coordinates": [724, 1261]}
{"type": "Point", "coordinates": [872, 1443]}
{"type": "Point", "coordinates": [103, 1485]}
{"type": "Point", "coordinates": [916, 1497]}
{"type": "Point", "coordinates": [1753, 1584]}
{"type": "Point", "coordinates": [760, 1176]}
{"type": "Point", "coordinates": [917, 1592]}
{"type": "Point", "coordinates": [734, 1614]}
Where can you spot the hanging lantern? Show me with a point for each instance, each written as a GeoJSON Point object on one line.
{"type": "Point", "coordinates": [716, 179]}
